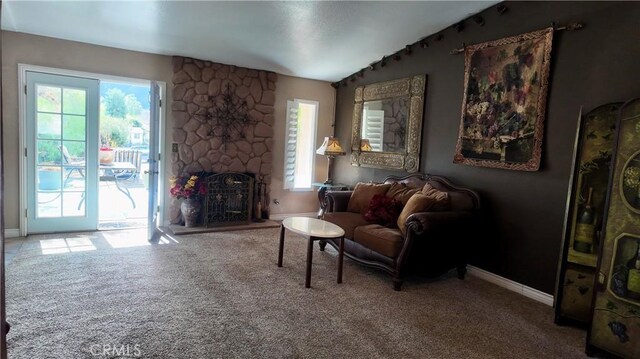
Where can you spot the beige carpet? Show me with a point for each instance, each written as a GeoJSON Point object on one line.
{"type": "Point", "coordinates": [221, 295]}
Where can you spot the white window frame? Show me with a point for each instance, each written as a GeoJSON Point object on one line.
{"type": "Point", "coordinates": [313, 145]}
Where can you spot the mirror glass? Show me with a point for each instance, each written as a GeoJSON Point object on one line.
{"type": "Point", "coordinates": [387, 124]}
{"type": "Point", "coordinates": [384, 124]}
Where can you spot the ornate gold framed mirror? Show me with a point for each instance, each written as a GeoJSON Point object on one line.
{"type": "Point", "coordinates": [387, 124]}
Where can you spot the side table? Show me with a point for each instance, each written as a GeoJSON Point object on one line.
{"type": "Point", "coordinates": [322, 189]}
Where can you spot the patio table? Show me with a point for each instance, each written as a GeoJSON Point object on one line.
{"type": "Point", "coordinates": [115, 171]}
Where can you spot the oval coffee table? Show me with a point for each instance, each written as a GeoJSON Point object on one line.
{"type": "Point", "coordinates": [314, 230]}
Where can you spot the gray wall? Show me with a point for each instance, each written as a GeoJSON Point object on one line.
{"type": "Point", "coordinates": [290, 88]}
{"type": "Point", "coordinates": [523, 211]}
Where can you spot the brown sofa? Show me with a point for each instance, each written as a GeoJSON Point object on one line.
{"type": "Point", "coordinates": [433, 243]}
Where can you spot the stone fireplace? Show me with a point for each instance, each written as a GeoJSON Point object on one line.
{"type": "Point", "coordinates": [198, 88]}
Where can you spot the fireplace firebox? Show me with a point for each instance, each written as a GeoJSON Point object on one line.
{"type": "Point", "coordinates": [229, 199]}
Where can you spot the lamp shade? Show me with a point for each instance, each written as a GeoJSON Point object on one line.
{"type": "Point", "coordinates": [330, 147]}
{"type": "Point", "coordinates": [365, 145]}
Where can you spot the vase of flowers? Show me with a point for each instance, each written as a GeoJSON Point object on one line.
{"type": "Point", "coordinates": [191, 189]}
{"type": "Point", "coordinates": [106, 150]}
{"type": "Point", "coordinates": [106, 155]}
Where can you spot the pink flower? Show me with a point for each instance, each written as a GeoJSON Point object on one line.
{"type": "Point", "coordinates": [187, 186]}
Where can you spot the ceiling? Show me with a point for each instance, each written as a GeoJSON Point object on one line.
{"type": "Point", "coordinates": [322, 40]}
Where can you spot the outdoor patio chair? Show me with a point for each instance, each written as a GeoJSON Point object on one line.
{"type": "Point", "coordinates": [128, 155]}
{"type": "Point", "coordinates": [71, 164]}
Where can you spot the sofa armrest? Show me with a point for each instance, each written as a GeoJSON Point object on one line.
{"type": "Point", "coordinates": [422, 222]}
{"type": "Point", "coordinates": [337, 201]}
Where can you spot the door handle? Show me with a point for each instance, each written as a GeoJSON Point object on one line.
{"type": "Point", "coordinates": [154, 172]}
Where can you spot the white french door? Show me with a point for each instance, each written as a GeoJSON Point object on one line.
{"type": "Point", "coordinates": [61, 152]}
{"type": "Point", "coordinates": [154, 161]}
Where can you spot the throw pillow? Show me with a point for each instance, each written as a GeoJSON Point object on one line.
{"type": "Point", "coordinates": [419, 202]}
{"type": "Point", "coordinates": [444, 203]}
{"type": "Point", "coordinates": [383, 210]}
{"type": "Point", "coordinates": [362, 195]}
{"type": "Point", "coordinates": [402, 192]}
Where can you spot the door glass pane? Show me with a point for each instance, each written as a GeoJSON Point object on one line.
{"type": "Point", "coordinates": [74, 178]}
{"type": "Point", "coordinates": [49, 204]}
{"type": "Point", "coordinates": [49, 178]}
{"type": "Point", "coordinates": [75, 152]}
{"type": "Point", "coordinates": [49, 126]}
{"type": "Point", "coordinates": [49, 99]}
{"type": "Point", "coordinates": [73, 204]}
{"type": "Point", "coordinates": [49, 152]}
{"type": "Point", "coordinates": [73, 101]}
{"type": "Point", "coordinates": [74, 127]}
{"type": "Point", "coordinates": [74, 165]}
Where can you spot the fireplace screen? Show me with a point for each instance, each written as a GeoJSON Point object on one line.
{"type": "Point", "coordinates": [229, 199]}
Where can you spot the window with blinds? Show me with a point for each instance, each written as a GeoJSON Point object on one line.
{"type": "Point", "coordinates": [300, 143]}
{"type": "Point", "coordinates": [373, 128]}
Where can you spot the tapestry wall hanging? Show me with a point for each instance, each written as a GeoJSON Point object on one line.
{"type": "Point", "coordinates": [504, 103]}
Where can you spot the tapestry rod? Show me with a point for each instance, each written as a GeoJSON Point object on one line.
{"type": "Point", "coordinates": [569, 27]}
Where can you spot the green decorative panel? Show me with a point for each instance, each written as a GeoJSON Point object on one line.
{"type": "Point", "coordinates": [577, 293]}
{"type": "Point", "coordinates": [585, 213]}
{"type": "Point", "coordinates": [615, 325]}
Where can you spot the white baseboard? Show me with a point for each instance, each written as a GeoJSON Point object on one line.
{"type": "Point", "coordinates": [522, 289]}
{"type": "Point", "coordinates": [11, 232]}
{"type": "Point", "coordinates": [281, 216]}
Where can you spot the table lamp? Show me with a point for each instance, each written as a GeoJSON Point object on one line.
{"type": "Point", "coordinates": [330, 148]}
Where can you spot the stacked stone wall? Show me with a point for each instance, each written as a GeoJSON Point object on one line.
{"type": "Point", "coordinates": [198, 87]}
